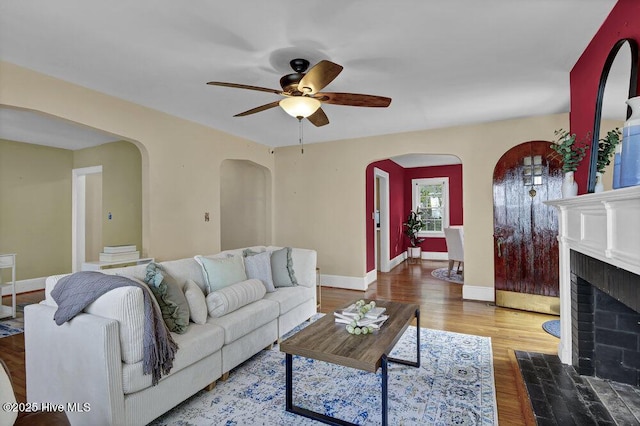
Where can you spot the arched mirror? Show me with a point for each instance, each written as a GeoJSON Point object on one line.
{"type": "Point", "coordinates": [618, 82]}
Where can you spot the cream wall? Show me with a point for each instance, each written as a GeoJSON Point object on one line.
{"type": "Point", "coordinates": [245, 205]}
{"type": "Point", "coordinates": [121, 191]}
{"type": "Point", "coordinates": [320, 195]}
{"type": "Point", "coordinates": [180, 159]}
{"type": "Point", "coordinates": [35, 208]}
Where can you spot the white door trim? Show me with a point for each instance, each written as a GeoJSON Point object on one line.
{"type": "Point", "coordinates": [385, 261]}
{"type": "Point", "coordinates": [78, 205]}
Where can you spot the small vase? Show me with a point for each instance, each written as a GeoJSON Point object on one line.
{"type": "Point", "coordinates": [630, 157]}
{"type": "Point", "coordinates": [599, 185]}
{"type": "Point", "coordinates": [569, 186]}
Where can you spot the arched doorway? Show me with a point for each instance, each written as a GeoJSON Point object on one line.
{"type": "Point", "coordinates": [525, 229]}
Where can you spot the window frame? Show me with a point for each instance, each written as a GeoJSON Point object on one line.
{"type": "Point", "coordinates": [416, 184]}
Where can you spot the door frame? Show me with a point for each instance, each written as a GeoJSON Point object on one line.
{"type": "Point", "coordinates": [78, 214]}
{"type": "Point", "coordinates": [382, 178]}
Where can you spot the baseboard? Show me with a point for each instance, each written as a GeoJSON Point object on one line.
{"type": "Point", "coordinates": [349, 283]}
{"type": "Point", "coordinates": [470, 292]}
{"type": "Point", "coordinates": [397, 260]}
{"type": "Point", "coordinates": [435, 255]}
{"type": "Point", "coordinates": [25, 286]}
{"type": "Point", "coordinates": [427, 255]}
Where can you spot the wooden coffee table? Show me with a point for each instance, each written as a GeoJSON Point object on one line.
{"type": "Point", "coordinates": [326, 340]}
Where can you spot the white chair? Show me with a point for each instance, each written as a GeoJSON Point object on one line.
{"type": "Point", "coordinates": [455, 247]}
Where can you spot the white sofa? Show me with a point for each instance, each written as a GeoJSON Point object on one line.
{"type": "Point", "coordinates": [96, 357]}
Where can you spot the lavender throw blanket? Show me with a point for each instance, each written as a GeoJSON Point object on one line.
{"type": "Point", "coordinates": [75, 292]}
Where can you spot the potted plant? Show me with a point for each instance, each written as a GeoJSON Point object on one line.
{"type": "Point", "coordinates": [606, 149]}
{"type": "Point", "coordinates": [570, 155]}
{"type": "Point", "coordinates": [413, 225]}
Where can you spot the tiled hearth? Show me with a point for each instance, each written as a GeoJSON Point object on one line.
{"type": "Point", "coordinates": [560, 396]}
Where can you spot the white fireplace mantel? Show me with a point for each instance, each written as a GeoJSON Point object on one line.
{"type": "Point", "coordinates": [605, 226]}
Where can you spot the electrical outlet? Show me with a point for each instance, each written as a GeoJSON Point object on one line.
{"type": "Point", "coordinates": [206, 216]}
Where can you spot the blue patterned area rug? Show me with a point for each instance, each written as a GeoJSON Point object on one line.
{"type": "Point", "coordinates": [443, 274]}
{"type": "Point", "coordinates": [454, 385]}
{"type": "Point", "coordinates": [11, 326]}
{"type": "Point", "coordinates": [552, 327]}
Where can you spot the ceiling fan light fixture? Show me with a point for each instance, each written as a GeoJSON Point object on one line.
{"type": "Point", "coordinates": [300, 106]}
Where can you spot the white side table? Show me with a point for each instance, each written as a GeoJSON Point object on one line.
{"type": "Point", "coordinates": [9, 261]}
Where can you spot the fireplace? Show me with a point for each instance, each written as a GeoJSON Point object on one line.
{"type": "Point", "coordinates": [605, 322]}
{"type": "Point", "coordinates": [599, 248]}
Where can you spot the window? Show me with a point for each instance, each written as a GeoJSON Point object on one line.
{"type": "Point", "coordinates": [532, 170]}
{"type": "Point", "coordinates": [430, 201]}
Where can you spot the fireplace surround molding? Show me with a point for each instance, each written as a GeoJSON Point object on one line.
{"type": "Point", "coordinates": [604, 226]}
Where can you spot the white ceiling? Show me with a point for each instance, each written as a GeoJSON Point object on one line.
{"type": "Point", "coordinates": [41, 129]}
{"type": "Point", "coordinates": [425, 160]}
{"type": "Point", "coordinates": [443, 62]}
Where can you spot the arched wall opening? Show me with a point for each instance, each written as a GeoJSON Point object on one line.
{"type": "Point", "coordinates": [36, 192]}
{"type": "Point", "coordinates": [397, 173]}
{"type": "Point", "coordinates": [245, 204]}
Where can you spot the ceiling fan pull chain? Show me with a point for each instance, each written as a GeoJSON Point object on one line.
{"type": "Point", "coordinates": [300, 135]}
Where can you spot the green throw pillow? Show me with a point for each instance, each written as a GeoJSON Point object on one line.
{"type": "Point", "coordinates": [220, 272]}
{"type": "Point", "coordinates": [282, 268]}
{"type": "Point", "coordinates": [173, 304]}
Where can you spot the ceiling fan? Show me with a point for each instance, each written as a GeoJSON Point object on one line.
{"type": "Point", "coordinates": [302, 92]}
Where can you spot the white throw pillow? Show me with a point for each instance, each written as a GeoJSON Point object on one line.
{"type": "Point", "coordinates": [234, 296]}
{"type": "Point", "coordinates": [259, 266]}
{"type": "Point", "coordinates": [197, 303]}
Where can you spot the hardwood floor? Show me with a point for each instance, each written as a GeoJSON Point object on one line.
{"type": "Point", "coordinates": [441, 308]}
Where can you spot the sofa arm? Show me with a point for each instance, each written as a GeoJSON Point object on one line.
{"type": "Point", "coordinates": [75, 363]}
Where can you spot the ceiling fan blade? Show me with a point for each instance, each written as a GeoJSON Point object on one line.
{"type": "Point", "coordinates": [353, 99]}
{"type": "Point", "coordinates": [319, 76]}
{"type": "Point", "coordinates": [245, 86]}
{"type": "Point", "coordinates": [318, 118]}
{"type": "Point", "coordinates": [259, 109]}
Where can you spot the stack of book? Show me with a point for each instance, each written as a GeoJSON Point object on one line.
{"type": "Point", "coordinates": [119, 253]}
{"type": "Point", "coordinates": [375, 317]}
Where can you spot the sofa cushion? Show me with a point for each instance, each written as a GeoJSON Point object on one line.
{"type": "Point", "coordinates": [125, 305]}
{"type": "Point", "coordinates": [290, 297]}
{"type": "Point", "coordinates": [221, 272]}
{"type": "Point", "coordinates": [198, 342]}
{"type": "Point", "coordinates": [258, 265]}
{"type": "Point", "coordinates": [170, 297]}
{"type": "Point", "coordinates": [246, 319]}
{"type": "Point", "coordinates": [197, 303]}
{"type": "Point", "coordinates": [234, 296]}
{"type": "Point", "coordinates": [282, 268]}
{"type": "Point", "coordinates": [185, 269]}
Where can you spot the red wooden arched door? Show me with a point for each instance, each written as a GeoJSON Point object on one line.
{"type": "Point", "coordinates": [525, 229]}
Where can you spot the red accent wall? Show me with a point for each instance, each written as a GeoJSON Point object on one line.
{"type": "Point", "coordinates": [400, 204]}
{"type": "Point", "coordinates": [623, 22]}
{"type": "Point", "coordinates": [454, 173]}
{"type": "Point", "coordinates": [396, 213]}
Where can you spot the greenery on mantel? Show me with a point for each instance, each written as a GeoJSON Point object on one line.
{"type": "Point", "coordinates": [570, 154]}
{"type": "Point", "coordinates": [413, 225]}
{"type": "Point", "coordinates": [607, 147]}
